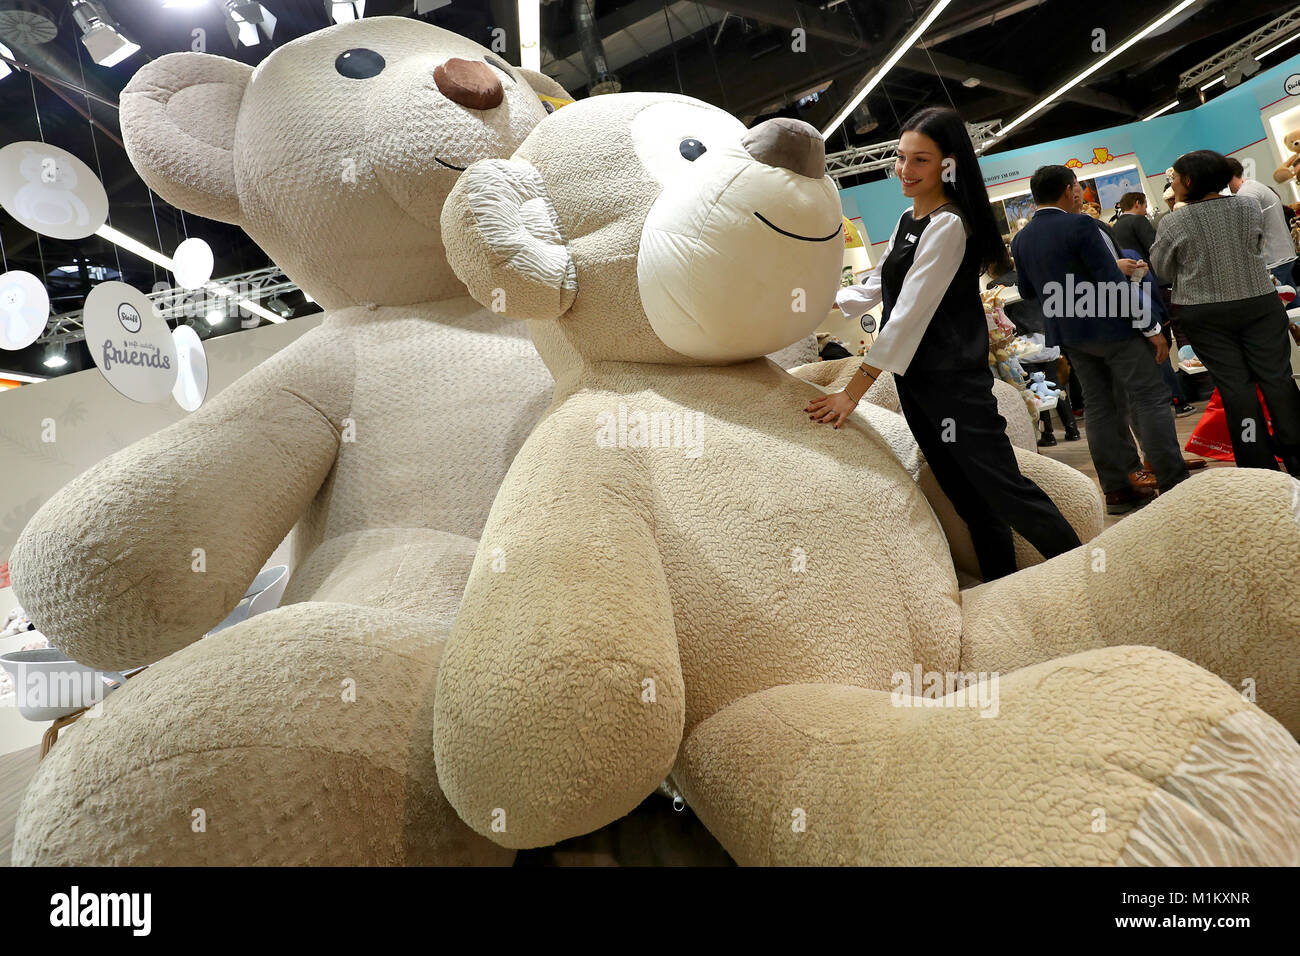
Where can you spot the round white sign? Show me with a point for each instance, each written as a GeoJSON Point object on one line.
{"type": "Point", "coordinates": [24, 309]}
{"type": "Point", "coordinates": [50, 191]}
{"type": "Point", "coordinates": [130, 342]}
{"type": "Point", "coordinates": [191, 369]}
{"type": "Point", "coordinates": [1293, 84]}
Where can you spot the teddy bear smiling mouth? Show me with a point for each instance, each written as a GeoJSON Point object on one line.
{"type": "Point", "coordinates": [459, 169]}
{"type": "Point", "coordinates": [794, 235]}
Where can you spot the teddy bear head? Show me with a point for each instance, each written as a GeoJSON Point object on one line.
{"type": "Point", "coordinates": [335, 154]}
{"type": "Point", "coordinates": [645, 227]}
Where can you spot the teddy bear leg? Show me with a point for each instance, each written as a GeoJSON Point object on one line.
{"type": "Point", "coordinates": [1208, 571]}
{"type": "Point", "coordinates": [1125, 755]}
{"type": "Point", "coordinates": [301, 736]}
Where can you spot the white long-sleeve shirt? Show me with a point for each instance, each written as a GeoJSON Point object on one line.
{"type": "Point", "coordinates": [939, 252]}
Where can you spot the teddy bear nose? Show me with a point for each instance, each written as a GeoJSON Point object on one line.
{"type": "Point", "coordinates": [788, 143]}
{"type": "Point", "coordinates": [469, 83]}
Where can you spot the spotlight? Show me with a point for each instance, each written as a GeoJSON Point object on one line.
{"type": "Point", "coordinates": [100, 33]}
{"type": "Point", "coordinates": [244, 19]}
{"type": "Point", "coordinates": [215, 317]}
{"type": "Point", "coordinates": [56, 357]}
{"type": "Point", "coordinates": [280, 306]}
{"type": "Point", "coordinates": [345, 11]}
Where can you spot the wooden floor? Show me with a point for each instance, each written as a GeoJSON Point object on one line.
{"type": "Point", "coordinates": [1075, 453]}
{"type": "Point", "coordinates": [653, 834]}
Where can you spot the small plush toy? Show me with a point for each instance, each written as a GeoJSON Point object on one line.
{"type": "Point", "coordinates": [1289, 169]}
{"type": "Point", "coordinates": [1044, 389]}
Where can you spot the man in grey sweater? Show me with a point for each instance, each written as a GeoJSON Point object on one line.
{"type": "Point", "coordinates": [1279, 249]}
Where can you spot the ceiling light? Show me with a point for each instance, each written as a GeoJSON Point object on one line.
{"type": "Point", "coordinates": [133, 245]}
{"type": "Point", "coordinates": [345, 11]}
{"type": "Point", "coordinates": [530, 35]}
{"type": "Point", "coordinates": [183, 4]}
{"type": "Point", "coordinates": [971, 82]}
{"type": "Point", "coordinates": [100, 34]}
{"type": "Point", "coordinates": [215, 317]}
{"type": "Point", "coordinates": [56, 357]}
{"type": "Point", "coordinates": [280, 306]}
{"type": "Point", "coordinates": [256, 309]}
{"type": "Point", "coordinates": [1277, 46]}
{"type": "Point", "coordinates": [23, 377]}
{"type": "Point", "coordinates": [1217, 79]}
{"type": "Point", "coordinates": [1075, 81]}
{"type": "Point", "coordinates": [1163, 109]}
{"type": "Point", "coordinates": [244, 19]}
{"type": "Point", "coordinates": [878, 74]}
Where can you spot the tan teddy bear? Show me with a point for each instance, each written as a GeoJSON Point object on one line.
{"type": "Point", "coordinates": [683, 576]}
{"type": "Point", "coordinates": [302, 735]}
{"type": "Point", "coordinates": [1291, 168]}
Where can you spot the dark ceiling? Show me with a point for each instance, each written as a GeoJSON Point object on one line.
{"type": "Point", "coordinates": [738, 54]}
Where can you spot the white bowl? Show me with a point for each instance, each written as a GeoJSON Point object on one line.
{"type": "Point", "coordinates": [48, 685]}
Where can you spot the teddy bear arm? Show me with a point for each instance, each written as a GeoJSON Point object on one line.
{"type": "Point", "coordinates": [1007, 770]}
{"type": "Point", "coordinates": [1114, 590]}
{"type": "Point", "coordinates": [560, 696]}
{"type": "Point", "coordinates": [150, 548]}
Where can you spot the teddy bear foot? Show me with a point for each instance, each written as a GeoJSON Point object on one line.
{"type": "Point", "coordinates": [300, 737]}
{"type": "Point", "coordinates": [1127, 756]}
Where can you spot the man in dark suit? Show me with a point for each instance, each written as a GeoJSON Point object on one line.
{"type": "Point", "coordinates": [1113, 337]}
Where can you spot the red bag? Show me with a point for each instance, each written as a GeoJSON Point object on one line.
{"type": "Point", "coordinates": [1211, 439]}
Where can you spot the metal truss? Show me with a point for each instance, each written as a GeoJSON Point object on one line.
{"type": "Point", "coordinates": [175, 305]}
{"type": "Point", "coordinates": [1249, 46]}
{"type": "Point", "coordinates": [861, 159]}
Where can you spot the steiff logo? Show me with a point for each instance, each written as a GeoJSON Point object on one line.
{"type": "Point", "coordinates": [1293, 84]}
{"type": "Point", "coordinates": [129, 316]}
{"type": "Point", "coordinates": [103, 909]}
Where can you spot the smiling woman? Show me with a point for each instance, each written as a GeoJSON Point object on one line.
{"type": "Point", "coordinates": [934, 339]}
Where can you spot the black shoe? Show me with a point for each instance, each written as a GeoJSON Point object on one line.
{"type": "Point", "coordinates": [1072, 434]}
{"type": "Point", "coordinates": [1046, 441]}
{"type": "Point", "coordinates": [1185, 408]}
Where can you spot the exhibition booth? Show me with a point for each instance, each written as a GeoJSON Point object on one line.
{"type": "Point", "coordinates": [529, 529]}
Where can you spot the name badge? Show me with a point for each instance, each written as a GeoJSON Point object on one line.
{"type": "Point", "coordinates": [910, 237]}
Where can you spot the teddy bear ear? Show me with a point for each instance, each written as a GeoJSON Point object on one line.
{"type": "Point", "coordinates": [504, 242]}
{"type": "Point", "coordinates": [551, 93]}
{"type": "Point", "coordinates": [178, 125]}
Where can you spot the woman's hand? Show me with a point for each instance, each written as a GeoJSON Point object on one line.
{"type": "Point", "coordinates": [832, 408]}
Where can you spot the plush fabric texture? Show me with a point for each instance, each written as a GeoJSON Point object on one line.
{"type": "Point", "coordinates": [382, 435]}
{"type": "Point", "coordinates": [682, 574]}
{"type": "Point", "coordinates": [1072, 491]}
{"type": "Point", "coordinates": [1193, 777]}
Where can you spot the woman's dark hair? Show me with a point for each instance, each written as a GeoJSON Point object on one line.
{"type": "Point", "coordinates": [1208, 171]}
{"type": "Point", "coordinates": [965, 186]}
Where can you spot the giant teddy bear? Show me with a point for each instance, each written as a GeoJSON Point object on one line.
{"type": "Point", "coordinates": [301, 735]}
{"type": "Point", "coordinates": [683, 577]}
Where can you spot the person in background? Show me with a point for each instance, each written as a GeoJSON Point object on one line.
{"type": "Point", "coordinates": [1060, 251]}
{"type": "Point", "coordinates": [1133, 230]}
{"type": "Point", "coordinates": [934, 338]}
{"type": "Point", "coordinates": [1213, 249]}
{"type": "Point", "coordinates": [1279, 250]}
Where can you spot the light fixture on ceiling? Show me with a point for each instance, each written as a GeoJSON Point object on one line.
{"type": "Point", "coordinates": [878, 74]}
{"type": "Point", "coordinates": [530, 35]}
{"type": "Point", "coordinates": [244, 20]}
{"type": "Point", "coordinates": [56, 357]}
{"type": "Point", "coordinates": [345, 11]}
{"type": "Point", "coordinates": [1247, 66]}
{"type": "Point", "coordinates": [215, 317]}
{"type": "Point", "coordinates": [971, 82]}
{"type": "Point", "coordinates": [183, 4]}
{"type": "Point", "coordinates": [279, 305]}
{"type": "Point", "coordinates": [1076, 80]}
{"type": "Point", "coordinates": [1162, 110]}
{"type": "Point", "coordinates": [100, 34]}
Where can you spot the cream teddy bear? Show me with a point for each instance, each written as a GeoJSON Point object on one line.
{"type": "Point", "coordinates": [683, 576]}
{"type": "Point", "coordinates": [301, 735]}
{"type": "Point", "coordinates": [1288, 169]}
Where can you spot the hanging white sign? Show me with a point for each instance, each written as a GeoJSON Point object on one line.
{"type": "Point", "coordinates": [50, 191]}
{"type": "Point", "coordinates": [130, 342]}
{"type": "Point", "coordinates": [191, 369]}
{"type": "Point", "coordinates": [24, 309]}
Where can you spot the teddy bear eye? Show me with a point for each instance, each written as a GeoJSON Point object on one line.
{"type": "Point", "coordinates": [359, 64]}
{"type": "Point", "coordinates": [493, 61]}
{"type": "Point", "coordinates": [692, 149]}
